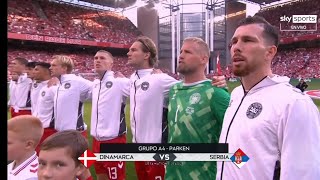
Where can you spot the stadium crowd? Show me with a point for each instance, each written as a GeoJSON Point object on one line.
{"type": "Point", "coordinates": [83, 61]}
{"type": "Point", "coordinates": [294, 63]}
{"type": "Point", "coordinates": [67, 21]}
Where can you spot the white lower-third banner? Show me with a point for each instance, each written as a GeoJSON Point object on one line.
{"type": "Point", "coordinates": [163, 157]}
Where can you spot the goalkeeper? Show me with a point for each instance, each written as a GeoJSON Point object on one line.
{"type": "Point", "coordinates": [196, 110]}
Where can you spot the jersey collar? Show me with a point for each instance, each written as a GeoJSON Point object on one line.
{"type": "Point", "coordinates": [107, 74]}
{"type": "Point", "coordinates": [143, 72]}
{"type": "Point", "coordinates": [25, 164]}
{"type": "Point", "coordinates": [269, 81]}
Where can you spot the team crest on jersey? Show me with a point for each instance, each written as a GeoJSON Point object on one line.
{"type": "Point", "coordinates": [43, 93]}
{"type": "Point", "coordinates": [189, 110]}
{"type": "Point", "coordinates": [194, 98]}
{"type": "Point", "coordinates": [254, 110]}
{"type": "Point", "coordinates": [67, 85]}
{"type": "Point", "coordinates": [35, 85]}
{"type": "Point", "coordinates": [109, 84]}
{"type": "Point", "coordinates": [145, 86]}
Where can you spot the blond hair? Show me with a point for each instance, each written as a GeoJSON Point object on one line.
{"type": "Point", "coordinates": [64, 61]}
{"type": "Point", "coordinates": [27, 127]}
{"type": "Point", "coordinates": [203, 46]}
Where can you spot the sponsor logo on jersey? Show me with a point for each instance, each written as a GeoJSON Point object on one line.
{"type": "Point", "coordinates": [109, 84]}
{"type": "Point", "coordinates": [194, 98]}
{"type": "Point", "coordinates": [35, 85]}
{"type": "Point", "coordinates": [145, 86]}
{"type": "Point", "coordinates": [43, 93]}
{"type": "Point", "coordinates": [67, 85]}
{"type": "Point", "coordinates": [254, 110]}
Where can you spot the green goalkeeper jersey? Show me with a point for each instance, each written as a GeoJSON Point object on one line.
{"type": "Point", "coordinates": [195, 116]}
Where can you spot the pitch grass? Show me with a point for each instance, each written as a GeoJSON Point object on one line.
{"type": "Point", "coordinates": [130, 170]}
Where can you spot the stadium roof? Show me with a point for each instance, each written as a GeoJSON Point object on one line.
{"type": "Point", "coordinates": [263, 2]}
{"type": "Point", "coordinates": [118, 4]}
{"type": "Point", "coordinates": [112, 3]}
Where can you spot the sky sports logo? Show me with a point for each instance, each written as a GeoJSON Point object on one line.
{"type": "Point", "coordinates": [298, 23]}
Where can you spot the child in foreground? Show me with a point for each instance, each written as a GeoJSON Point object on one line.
{"type": "Point", "coordinates": [58, 157]}
{"type": "Point", "coordinates": [24, 133]}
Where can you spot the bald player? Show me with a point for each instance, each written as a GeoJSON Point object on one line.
{"type": "Point", "coordinates": [24, 133]}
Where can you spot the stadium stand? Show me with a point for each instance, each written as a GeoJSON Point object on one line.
{"type": "Point", "coordinates": [301, 60]}
{"type": "Point", "coordinates": [63, 20]}
{"type": "Point", "coordinates": [294, 63]}
{"type": "Point", "coordinates": [83, 61]}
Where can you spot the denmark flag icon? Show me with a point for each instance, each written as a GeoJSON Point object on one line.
{"type": "Point", "coordinates": [87, 158]}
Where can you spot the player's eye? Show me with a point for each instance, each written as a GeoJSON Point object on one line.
{"type": "Point", "coordinates": [41, 164]}
{"type": "Point", "coordinates": [59, 165]}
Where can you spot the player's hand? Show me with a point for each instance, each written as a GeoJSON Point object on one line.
{"type": "Point", "coordinates": [156, 71]}
{"type": "Point", "coordinates": [118, 74]}
{"type": "Point", "coordinates": [53, 81]}
{"type": "Point", "coordinates": [219, 81]}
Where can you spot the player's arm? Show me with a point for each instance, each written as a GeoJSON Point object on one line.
{"type": "Point", "coordinates": [299, 141]}
{"type": "Point", "coordinates": [220, 103]}
{"type": "Point", "coordinates": [10, 99]}
{"type": "Point", "coordinates": [166, 82]}
{"type": "Point", "coordinates": [85, 88]}
{"type": "Point", "coordinates": [124, 84]}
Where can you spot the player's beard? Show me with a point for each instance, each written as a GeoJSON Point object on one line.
{"type": "Point", "coordinates": [243, 69]}
{"type": "Point", "coordinates": [184, 70]}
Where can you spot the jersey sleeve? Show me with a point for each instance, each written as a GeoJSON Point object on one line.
{"type": "Point", "coordinates": [52, 90]}
{"type": "Point", "coordinates": [167, 82]}
{"type": "Point", "coordinates": [299, 141]}
{"type": "Point", "coordinates": [85, 88]}
{"type": "Point", "coordinates": [124, 84]}
{"type": "Point", "coordinates": [220, 103]}
{"type": "Point", "coordinates": [10, 91]}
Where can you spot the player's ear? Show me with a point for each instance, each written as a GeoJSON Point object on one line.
{"type": "Point", "coordinates": [30, 144]}
{"type": "Point", "coordinates": [271, 52]}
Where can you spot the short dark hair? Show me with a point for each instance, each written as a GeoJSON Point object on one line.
{"type": "Point", "coordinates": [73, 140]}
{"type": "Point", "coordinates": [31, 64]}
{"type": "Point", "coordinates": [21, 60]}
{"type": "Point", "coordinates": [270, 33]}
{"type": "Point", "coordinates": [43, 64]}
